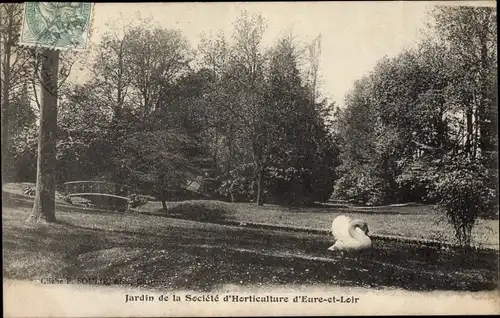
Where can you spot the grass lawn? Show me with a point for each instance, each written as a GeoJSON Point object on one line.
{"type": "Point", "coordinates": [172, 254]}
{"type": "Point", "coordinates": [411, 221]}
{"type": "Point", "coordinates": [414, 221]}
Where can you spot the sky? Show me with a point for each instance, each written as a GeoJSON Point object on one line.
{"type": "Point", "coordinates": [355, 35]}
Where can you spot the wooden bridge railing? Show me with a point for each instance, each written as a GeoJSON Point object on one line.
{"type": "Point", "coordinates": [97, 187]}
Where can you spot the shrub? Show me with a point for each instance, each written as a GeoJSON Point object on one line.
{"type": "Point", "coordinates": [238, 185]}
{"type": "Point", "coordinates": [294, 186]}
{"type": "Point", "coordinates": [67, 199]}
{"type": "Point", "coordinates": [377, 192]}
{"type": "Point", "coordinates": [30, 190]}
{"type": "Point", "coordinates": [200, 210]}
{"type": "Point", "coordinates": [136, 200]}
{"type": "Point", "coordinates": [237, 190]}
{"type": "Point", "coordinates": [362, 187]}
{"type": "Point", "coordinates": [344, 188]}
{"type": "Point", "coordinates": [290, 186]}
{"type": "Point", "coordinates": [417, 182]}
{"type": "Point", "coordinates": [464, 196]}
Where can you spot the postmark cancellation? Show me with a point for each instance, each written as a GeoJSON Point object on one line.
{"type": "Point", "coordinates": [57, 25]}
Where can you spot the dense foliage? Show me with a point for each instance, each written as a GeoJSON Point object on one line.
{"type": "Point", "coordinates": [464, 196]}
{"type": "Point", "coordinates": [422, 126]}
{"type": "Point", "coordinates": [199, 210]}
{"type": "Point", "coordinates": [159, 115]}
{"type": "Point", "coordinates": [157, 121]}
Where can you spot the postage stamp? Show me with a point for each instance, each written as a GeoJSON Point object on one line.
{"type": "Point", "coordinates": [58, 25]}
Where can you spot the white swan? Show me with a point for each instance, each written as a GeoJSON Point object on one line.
{"type": "Point", "coordinates": [349, 234]}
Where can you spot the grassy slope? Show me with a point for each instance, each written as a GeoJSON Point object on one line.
{"type": "Point", "coordinates": [171, 254]}
{"type": "Point", "coordinates": [419, 221]}
{"type": "Point", "coordinates": [20, 187]}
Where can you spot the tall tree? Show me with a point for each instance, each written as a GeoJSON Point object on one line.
{"type": "Point", "coordinates": [85, 131]}
{"type": "Point", "coordinates": [357, 126]}
{"type": "Point", "coordinates": [220, 113]}
{"type": "Point", "coordinates": [157, 57]}
{"type": "Point", "coordinates": [44, 206]}
{"type": "Point", "coordinates": [159, 162]}
{"type": "Point", "coordinates": [52, 74]}
{"type": "Point", "coordinates": [248, 64]}
{"type": "Point", "coordinates": [14, 62]}
{"type": "Point", "coordinates": [428, 107]}
{"type": "Point", "coordinates": [112, 65]}
{"type": "Point", "coordinates": [214, 51]}
{"type": "Point", "coordinates": [300, 154]}
{"type": "Point", "coordinates": [111, 72]}
{"type": "Point", "coordinates": [314, 54]}
{"type": "Point", "coordinates": [470, 34]}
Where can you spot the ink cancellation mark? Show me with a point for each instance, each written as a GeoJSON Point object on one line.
{"type": "Point", "coordinates": [57, 25]}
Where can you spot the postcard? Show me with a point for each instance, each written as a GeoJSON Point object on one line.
{"type": "Point", "coordinates": [249, 158]}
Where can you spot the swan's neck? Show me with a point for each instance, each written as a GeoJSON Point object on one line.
{"type": "Point", "coordinates": [358, 230]}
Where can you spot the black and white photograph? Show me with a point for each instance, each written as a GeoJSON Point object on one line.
{"type": "Point", "coordinates": [249, 158]}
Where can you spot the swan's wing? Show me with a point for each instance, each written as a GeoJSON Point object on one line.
{"type": "Point", "coordinates": [340, 227]}
{"type": "Point", "coordinates": [362, 240]}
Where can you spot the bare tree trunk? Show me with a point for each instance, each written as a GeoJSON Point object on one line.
{"type": "Point", "coordinates": [230, 148]}
{"type": "Point", "coordinates": [232, 192]}
{"type": "Point", "coordinates": [469, 131]}
{"type": "Point", "coordinates": [314, 54]}
{"type": "Point", "coordinates": [441, 137]}
{"type": "Point", "coordinates": [5, 110]}
{"type": "Point", "coordinates": [44, 206]}
{"type": "Point", "coordinates": [119, 96]}
{"type": "Point", "coordinates": [475, 131]}
{"type": "Point", "coordinates": [216, 141]}
{"type": "Point", "coordinates": [486, 110]}
{"type": "Point", "coordinates": [260, 186]}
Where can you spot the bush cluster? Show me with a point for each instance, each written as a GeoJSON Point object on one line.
{"type": "Point", "coordinates": [29, 190]}
{"type": "Point", "coordinates": [136, 200]}
{"type": "Point", "coordinates": [200, 210]}
{"type": "Point", "coordinates": [362, 188]}
{"type": "Point", "coordinates": [464, 196]}
{"type": "Point", "coordinates": [291, 186]}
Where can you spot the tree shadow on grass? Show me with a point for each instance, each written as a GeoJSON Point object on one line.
{"type": "Point", "coordinates": [205, 268]}
{"type": "Point", "coordinates": [395, 264]}
{"type": "Point", "coordinates": [191, 255]}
